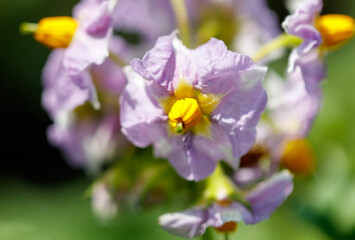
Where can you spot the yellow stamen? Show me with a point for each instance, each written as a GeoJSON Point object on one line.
{"type": "Point", "coordinates": [228, 227]}
{"type": "Point", "coordinates": [186, 113]}
{"type": "Point", "coordinates": [56, 32]}
{"type": "Point", "coordinates": [298, 157]}
{"type": "Point", "coordinates": [336, 29]}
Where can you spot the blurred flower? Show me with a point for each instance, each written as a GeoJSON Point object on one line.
{"type": "Point", "coordinates": [282, 130]}
{"type": "Point", "coordinates": [103, 205]}
{"type": "Point", "coordinates": [84, 37]}
{"type": "Point", "coordinates": [319, 34]}
{"type": "Point", "coordinates": [244, 26]}
{"type": "Point", "coordinates": [195, 106]}
{"type": "Point", "coordinates": [87, 136]}
{"type": "Point", "coordinates": [224, 213]}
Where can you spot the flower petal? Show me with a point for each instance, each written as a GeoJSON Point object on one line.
{"type": "Point", "coordinates": [269, 195]}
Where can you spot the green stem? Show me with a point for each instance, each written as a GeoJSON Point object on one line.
{"type": "Point", "coordinates": [226, 236]}
{"type": "Point", "coordinates": [180, 12]}
{"type": "Point", "coordinates": [282, 41]}
{"type": "Point", "coordinates": [28, 28]}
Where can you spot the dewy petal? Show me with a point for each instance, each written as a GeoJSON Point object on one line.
{"type": "Point", "coordinates": [91, 39]}
{"type": "Point", "coordinates": [268, 196]}
{"type": "Point", "coordinates": [143, 121]}
{"type": "Point", "coordinates": [187, 224]}
{"type": "Point", "coordinates": [63, 92]}
{"type": "Point", "coordinates": [240, 110]}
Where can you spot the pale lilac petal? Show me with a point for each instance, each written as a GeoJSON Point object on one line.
{"type": "Point", "coordinates": [268, 196]}
{"type": "Point", "coordinates": [187, 224]}
{"type": "Point", "coordinates": [86, 143]}
{"type": "Point", "coordinates": [63, 92]}
{"type": "Point", "coordinates": [159, 63]}
{"type": "Point", "coordinates": [236, 212]}
{"type": "Point", "coordinates": [301, 24]}
{"type": "Point", "coordinates": [248, 175]}
{"type": "Point", "coordinates": [294, 108]}
{"type": "Point", "coordinates": [109, 77]}
{"type": "Point", "coordinates": [142, 120]}
{"type": "Point", "coordinates": [240, 110]}
{"type": "Point", "coordinates": [189, 160]}
{"type": "Point", "coordinates": [149, 18]}
{"type": "Point", "coordinates": [91, 39]}
{"type": "Point", "coordinates": [219, 68]}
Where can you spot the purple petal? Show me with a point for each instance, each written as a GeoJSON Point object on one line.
{"type": "Point", "coordinates": [187, 157]}
{"type": "Point", "coordinates": [158, 64]}
{"type": "Point", "coordinates": [91, 39]}
{"type": "Point", "coordinates": [301, 24]}
{"type": "Point", "coordinates": [239, 111]}
{"type": "Point", "coordinates": [149, 18]}
{"type": "Point", "coordinates": [63, 92]}
{"type": "Point", "coordinates": [268, 196]}
{"type": "Point", "coordinates": [187, 224]}
{"type": "Point", "coordinates": [142, 120]}
{"type": "Point", "coordinates": [218, 214]}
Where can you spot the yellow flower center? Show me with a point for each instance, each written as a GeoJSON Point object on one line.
{"type": "Point", "coordinates": [54, 32]}
{"type": "Point", "coordinates": [336, 29]}
{"type": "Point", "coordinates": [298, 157]}
{"type": "Point", "coordinates": [228, 227]}
{"type": "Point", "coordinates": [185, 114]}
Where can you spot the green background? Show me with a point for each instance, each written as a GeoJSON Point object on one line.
{"type": "Point", "coordinates": [40, 202]}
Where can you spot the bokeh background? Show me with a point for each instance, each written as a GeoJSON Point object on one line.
{"type": "Point", "coordinates": [41, 197]}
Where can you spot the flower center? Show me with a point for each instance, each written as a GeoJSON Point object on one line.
{"type": "Point", "coordinates": [335, 29]}
{"type": "Point", "coordinates": [228, 227]}
{"type": "Point", "coordinates": [184, 114]}
{"type": "Point", "coordinates": [54, 32]}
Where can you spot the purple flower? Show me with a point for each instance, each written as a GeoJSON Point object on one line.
{"type": "Point", "coordinates": [224, 214]}
{"type": "Point", "coordinates": [87, 136]}
{"type": "Point", "coordinates": [291, 111]}
{"type": "Point", "coordinates": [195, 106]}
{"type": "Point", "coordinates": [90, 43]}
{"type": "Point", "coordinates": [319, 34]}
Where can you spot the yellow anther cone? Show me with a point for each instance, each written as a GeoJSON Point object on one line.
{"type": "Point", "coordinates": [56, 32]}
{"type": "Point", "coordinates": [336, 29]}
{"type": "Point", "coordinates": [186, 112]}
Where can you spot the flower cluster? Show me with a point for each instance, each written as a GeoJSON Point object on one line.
{"type": "Point", "coordinates": [207, 103]}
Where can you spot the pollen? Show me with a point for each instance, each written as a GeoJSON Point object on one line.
{"type": "Point", "coordinates": [228, 227]}
{"type": "Point", "coordinates": [298, 157]}
{"type": "Point", "coordinates": [56, 32]}
{"type": "Point", "coordinates": [336, 29]}
{"type": "Point", "coordinates": [185, 114]}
